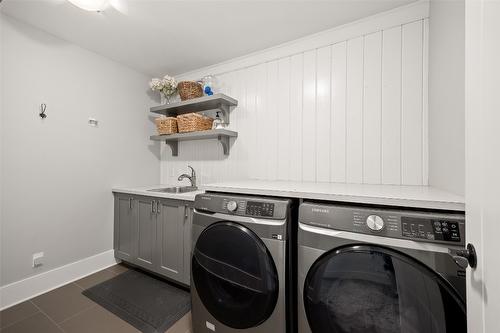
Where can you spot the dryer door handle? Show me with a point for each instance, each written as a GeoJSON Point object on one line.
{"type": "Point", "coordinates": [465, 257]}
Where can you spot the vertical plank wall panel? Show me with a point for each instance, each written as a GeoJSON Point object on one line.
{"type": "Point", "coordinates": [323, 90]}
{"type": "Point", "coordinates": [372, 108]}
{"type": "Point", "coordinates": [271, 123]}
{"type": "Point", "coordinates": [309, 118]}
{"type": "Point", "coordinates": [354, 111]}
{"type": "Point", "coordinates": [284, 139]}
{"type": "Point", "coordinates": [232, 87]}
{"type": "Point", "coordinates": [240, 158]}
{"type": "Point", "coordinates": [262, 117]}
{"type": "Point", "coordinates": [425, 102]}
{"type": "Point", "coordinates": [412, 109]}
{"type": "Point", "coordinates": [391, 106]}
{"type": "Point", "coordinates": [296, 97]}
{"type": "Point", "coordinates": [215, 172]}
{"type": "Point", "coordinates": [229, 86]}
{"type": "Point", "coordinates": [338, 117]}
{"type": "Point", "coordinates": [252, 146]}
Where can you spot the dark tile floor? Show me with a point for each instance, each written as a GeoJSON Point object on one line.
{"type": "Point", "coordinates": [66, 310]}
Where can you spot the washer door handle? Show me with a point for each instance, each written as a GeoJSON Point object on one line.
{"type": "Point", "coordinates": [465, 257]}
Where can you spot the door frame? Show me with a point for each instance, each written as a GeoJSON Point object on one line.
{"type": "Point", "coordinates": [482, 158]}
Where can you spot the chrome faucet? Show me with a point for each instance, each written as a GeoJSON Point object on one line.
{"type": "Point", "coordinates": [191, 178]}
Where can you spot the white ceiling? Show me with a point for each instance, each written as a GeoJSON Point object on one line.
{"type": "Point", "coordinates": [158, 37]}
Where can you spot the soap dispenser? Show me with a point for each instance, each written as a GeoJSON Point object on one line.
{"type": "Point", "coordinates": [218, 123]}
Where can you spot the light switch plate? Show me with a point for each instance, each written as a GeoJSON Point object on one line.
{"type": "Point", "coordinates": [38, 259]}
{"type": "Point", "coordinates": [93, 122]}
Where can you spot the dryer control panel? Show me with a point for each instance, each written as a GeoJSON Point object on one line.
{"type": "Point", "coordinates": [435, 227]}
{"type": "Point", "coordinates": [259, 207]}
{"type": "Point", "coordinates": [432, 229]}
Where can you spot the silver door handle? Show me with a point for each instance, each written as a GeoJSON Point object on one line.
{"type": "Point", "coordinates": [153, 207]}
{"type": "Point", "coordinates": [461, 261]}
{"type": "Point", "coordinates": [158, 205]}
{"type": "Point", "coordinates": [465, 257]}
{"type": "Point", "coordinates": [185, 211]}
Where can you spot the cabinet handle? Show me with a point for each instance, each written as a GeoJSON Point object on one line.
{"type": "Point", "coordinates": [158, 205]}
{"type": "Point", "coordinates": [130, 203]}
{"type": "Point", "coordinates": [153, 207]}
{"type": "Point", "coordinates": [185, 211]}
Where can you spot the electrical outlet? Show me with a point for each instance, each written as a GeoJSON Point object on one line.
{"type": "Point", "coordinates": [38, 259]}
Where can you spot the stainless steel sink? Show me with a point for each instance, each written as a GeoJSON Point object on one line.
{"type": "Point", "coordinates": [175, 189]}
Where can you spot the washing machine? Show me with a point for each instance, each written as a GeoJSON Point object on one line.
{"type": "Point", "coordinates": [239, 263]}
{"type": "Point", "coordinates": [380, 270]}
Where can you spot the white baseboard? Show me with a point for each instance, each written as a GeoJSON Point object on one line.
{"type": "Point", "coordinates": [22, 290]}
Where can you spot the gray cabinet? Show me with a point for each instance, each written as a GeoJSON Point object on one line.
{"type": "Point", "coordinates": [155, 234]}
{"type": "Point", "coordinates": [188, 242]}
{"type": "Point", "coordinates": [124, 230]}
{"type": "Point", "coordinates": [170, 234]}
{"type": "Point", "coordinates": [146, 231]}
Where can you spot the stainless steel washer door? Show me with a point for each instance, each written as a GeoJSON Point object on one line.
{"type": "Point", "coordinates": [234, 275]}
{"type": "Point", "coordinates": [369, 288]}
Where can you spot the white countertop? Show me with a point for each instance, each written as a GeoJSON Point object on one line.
{"type": "Point", "coordinates": [392, 195]}
{"type": "Point", "coordinates": [144, 190]}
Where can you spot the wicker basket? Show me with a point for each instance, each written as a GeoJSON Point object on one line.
{"type": "Point", "coordinates": [191, 122]}
{"type": "Point", "coordinates": [189, 90]}
{"type": "Point", "coordinates": [166, 125]}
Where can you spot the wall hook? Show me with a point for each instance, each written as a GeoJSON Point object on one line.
{"type": "Point", "coordinates": [43, 107]}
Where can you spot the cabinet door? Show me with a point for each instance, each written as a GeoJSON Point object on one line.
{"type": "Point", "coordinates": [188, 246]}
{"type": "Point", "coordinates": [124, 241]}
{"type": "Point", "coordinates": [170, 244]}
{"type": "Point", "coordinates": [146, 231]}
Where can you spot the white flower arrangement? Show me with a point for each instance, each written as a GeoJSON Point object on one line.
{"type": "Point", "coordinates": [167, 86]}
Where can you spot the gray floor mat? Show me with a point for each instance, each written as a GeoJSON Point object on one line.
{"type": "Point", "coordinates": [148, 303]}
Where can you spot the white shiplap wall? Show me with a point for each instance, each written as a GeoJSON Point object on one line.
{"type": "Point", "coordinates": [347, 105]}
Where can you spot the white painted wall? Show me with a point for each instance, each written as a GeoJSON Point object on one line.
{"type": "Point", "coordinates": [344, 105]}
{"type": "Point", "coordinates": [447, 95]}
{"type": "Point", "coordinates": [58, 173]}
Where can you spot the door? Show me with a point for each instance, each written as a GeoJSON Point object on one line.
{"type": "Point", "coordinates": [124, 240]}
{"type": "Point", "coordinates": [188, 239]}
{"type": "Point", "coordinates": [365, 288]}
{"type": "Point", "coordinates": [234, 275]}
{"type": "Point", "coordinates": [146, 231]}
{"type": "Point", "coordinates": [170, 237]}
{"type": "Point", "coordinates": [482, 112]}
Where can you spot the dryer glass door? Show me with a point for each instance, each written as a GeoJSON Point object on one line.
{"type": "Point", "coordinates": [378, 290]}
{"type": "Point", "coordinates": [234, 275]}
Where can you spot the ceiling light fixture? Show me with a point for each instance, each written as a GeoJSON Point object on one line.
{"type": "Point", "coordinates": [91, 5]}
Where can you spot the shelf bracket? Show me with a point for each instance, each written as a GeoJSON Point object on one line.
{"type": "Point", "coordinates": [224, 141]}
{"type": "Point", "coordinates": [226, 110]}
{"type": "Point", "coordinates": [174, 145]}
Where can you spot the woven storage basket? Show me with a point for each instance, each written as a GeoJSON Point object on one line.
{"type": "Point", "coordinates": [191, 122]}
{"type": "Point", "coordinates": [189, 90]}
{"type": "Point", "coordinates": [166, 125]}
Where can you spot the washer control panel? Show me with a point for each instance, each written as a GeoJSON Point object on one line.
{"type": "Point", "coordinates": [426, 226]}
{"type": "Point", "coordinates": [256, 208]}
{"type": "Point", "coordinates": [232, 205]}
{"type": "Point", "coordinates": [376, 222]}
{"type": "Point", "coordinates": [243, 205]}
{"type": "Point", "coordinates": [431, 229]}
{"type": "Point", "coordinates": [249, 208]}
